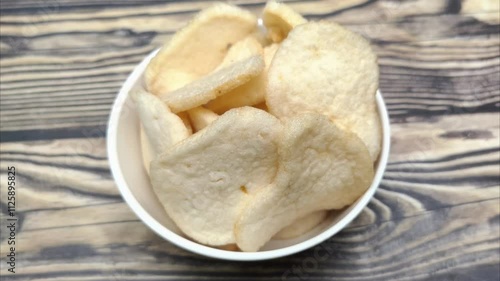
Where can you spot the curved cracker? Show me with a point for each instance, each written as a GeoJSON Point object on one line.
{"type": "Point", "coordinates": [325, 68]}
{"type": "Point", "coordinates": [213, 85]}
{"type": "Point", "coordinates": [279, 20]}
{"type": "Point", "coordinates": [198, 48]}
{"type": "Point", "coordinates": [204, 181]}
{"type": "Point", "coordinates": [321, 167]}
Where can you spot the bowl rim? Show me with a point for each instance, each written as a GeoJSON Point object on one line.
{"type": "Point", "coordinates": [208, 251]}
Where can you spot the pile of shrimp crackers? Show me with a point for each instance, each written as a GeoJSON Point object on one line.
{"type": "Point", "coordinates": [250, 136]}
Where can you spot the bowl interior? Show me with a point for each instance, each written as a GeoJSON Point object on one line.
{"type": "Point", "coordinates": [125, 157]}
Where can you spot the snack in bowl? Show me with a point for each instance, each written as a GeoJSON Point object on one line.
{"type": "Point", "coordinates": [280, 19]}
{"type": "Point", "coordinates": [321, 167]}
{"type": "Point", "coordinates": [251, 93]}
{"type": "Point", "coordinates": [201, 117]}
{"type": "Point", "coordinates": [301, 225]}
{"type": "Point", "coordinates": [213, 85]}
{"type": "Point", "coordinates": [338, 76]}
{"type": "Point", "coordinates": [206, 180]}
{"type": "Point", "coordinates": [184, 58]}
{"type": "Point", "coordinates": [162, 128]}
{"type": "Point", "coordinates": [258, 141]}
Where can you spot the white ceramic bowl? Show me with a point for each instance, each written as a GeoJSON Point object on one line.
{"type": "Point", "coordinates": [125, 158]}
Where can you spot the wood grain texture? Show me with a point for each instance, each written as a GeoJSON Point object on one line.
{"type": "Point", "coordinates": [436, 215]}
{"type": "Point", "coordinates": [73, 63]}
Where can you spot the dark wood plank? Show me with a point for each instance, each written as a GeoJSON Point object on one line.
{"type": "Point", "coordinates": [60, 173]}
{"type": "Point", "coordinates": [449, 76]}
{"type": "Point", "coordinates": [431, 159]}
{"type": "Point", "coordinates": [62, 70]}
{"type": "Point", "coordinates": [84, 34]}
{"type": "Point", "coordinates": [64, 204]}
{"type": "Point", "coordinates": [435, 216]}
{"type": "Point", "coordinates": [455, 243]}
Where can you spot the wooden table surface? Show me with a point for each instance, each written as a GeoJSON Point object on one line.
{"type": "Point", "coordinates": [436, 215]}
